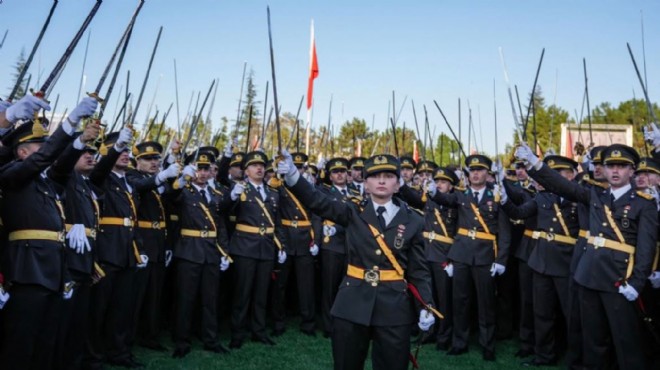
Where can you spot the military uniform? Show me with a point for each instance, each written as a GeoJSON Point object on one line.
{"type": "Point", "coordinates": [556, 234]}
{"type": "Point", "coordinates": [253, 247]}
{"type": "Point", "coordinates": [619, 252]}
{"type": "Point", "coordinates": [482, 239]}
{"type": "Point", "coordinates": [35, 269]}
{"type": "Point", "coordinates": [373, 302]}
{"type": "Point", "coordinates": [297, 225]}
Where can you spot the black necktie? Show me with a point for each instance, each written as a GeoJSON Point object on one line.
{"type": "Point", "coordinates": [476, 197]}
{"type": "Point", "coordinates": [260, 193]}
{"type": "Point", "coordinates": [343, 191]}
{"type": "Point", "coordinates": [359, 188]}
{"type": "Point", "coordinates": [203, 194]}
{"type": "Point", "coordinates": [381, 220]}
{"type": "Point", "coordinates": [612, 200]}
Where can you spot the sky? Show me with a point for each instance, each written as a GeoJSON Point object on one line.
{"type": "Point", "coordinates": [422, 50]}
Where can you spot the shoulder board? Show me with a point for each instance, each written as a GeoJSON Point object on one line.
{"type": "Point", "coordinates": [645, 195]}
{"type": "Point", "coordinates": [459, 189]}
{"type": "Point", "coordinates": [416, 187]}
{"type": "Point", "coordinates": [419, 211]}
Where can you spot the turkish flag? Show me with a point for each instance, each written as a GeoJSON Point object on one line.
{"type": "Point", "coordinates": [313, 69]}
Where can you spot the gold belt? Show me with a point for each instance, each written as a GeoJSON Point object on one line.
{"type": "Point", "coordinates": [156, 225]}
{"type": "Point", "coordinates": [116, 221]}
{"type": "Point", "coordinates": [56, 236]}
{"type": "Point", "coordinates": [474, 234]}
{"type": "Point", "coordinates": [174, 218]}
{"type": "Point", "coordinates": [599, 242]}
{"type": "Point", "coordinates": [374, 275]}
{"type": "Point", "coordinates": [198, 233]}
{"type": "Point", "coordinates": [583, 234]}
{"type": "Point", "coordinates": [296, 223]}
{"type": "Point", "coordinates": [255, 230]}
{"type": "Point", "coordinates": [550, 237]}
{"type": "Point", "coordinates": [90, 233]}
{"type": "Point", "coordinates": [437, 237]}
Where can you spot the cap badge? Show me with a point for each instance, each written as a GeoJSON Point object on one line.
{"type": "Point", "coordinates": [380, 160]}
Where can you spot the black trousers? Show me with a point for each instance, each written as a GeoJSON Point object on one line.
{"type": "Point", "coordinates": [333, 270]}
{"type": "Point", "coordinates": [252, 277]}
{"type": "Point", "coordinates": [608, 315]}
{"type": "Point", "coordinates": [526, 328]}
{"type": "Point", "coordinates": [465, 277]}
{"type": "Point", "coordinates": [149, 292]}
{"type": "Point", "coordinates": [74, 327]}
{"type": "Point", "coordinates": [111, 316]}
{"type": "Point", "coordinates": [193, 280]}
{"type": "Point", "coordinates": [550, 299]}
{"type": "Point", "coordinates": [350, 344]}
{"type": "Point", "coordinates": [505, 299]}
{"type": "Point", "coordinates": [442, 296]}
{"type": "Point", "coordinates": [31, 319]}
{"type": "Point", "coordinates": [304, 272]}
{"type": "Point", "coordinates": [574, 338]}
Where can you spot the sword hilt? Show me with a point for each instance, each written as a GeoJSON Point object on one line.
{"type": "Point", "coordinates": [96, 97]}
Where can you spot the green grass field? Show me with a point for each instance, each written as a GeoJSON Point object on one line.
{"type": "Point", "coordinates": [297, 351]}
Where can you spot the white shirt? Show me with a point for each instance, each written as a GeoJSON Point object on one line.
{"type": "Point", "coordinates": [620, 191]}
{"type": "Point", "coordinates": [261, 188]}
{"type": "Point", "coordinates": [481, 192]}
{"type": "Point", "coordinates": [359, 186]}
{"type": "Point", "coordinates": [123, 178]}
{"type": "Point", "coordinates": [207, 192]}
{"type": "Point", "coordinates": [390, 210]}
{"type": "Point", "coordinates": [343, 191]}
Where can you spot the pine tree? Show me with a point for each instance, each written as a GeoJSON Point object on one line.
{"type": "Point", "coordinates": [18, 67]}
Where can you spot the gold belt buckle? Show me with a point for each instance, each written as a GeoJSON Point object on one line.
{"type": "Point", "coordinates": [61, 236]}
{"type": "Point", "coordinates": [599, 242]}
{"type": "Point", "coordinates": [204, 233]}
{"type": "Point", "coordinates": [92, 233]}
{"type": "Point", "coordinates": [472, 234]}
{"type": "Point", "coordinates": [155, 225]}
{"type": "Point", "coordinates": [372, 276]}
{"type": "Point", "coordinates": [536, 234]}
{"type": "Point", "coordinates": [550, 237]}
{"type": "Point", "coordinates": [431, 236]}
{"type": "Point", "coordinates": [127, 222]}
{"type": "Point", "coordinates": [262, 230]}
{"type": "Point", "coordinates": [294, 223]}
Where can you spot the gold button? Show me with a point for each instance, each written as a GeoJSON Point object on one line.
{"type": "Point", "coordinates": [554, 219]}
{"type": "Point", "coordinates": [375, 268]}
{"type": "Point", "coordinates": [378, 252]}
{"type": "Point", "coordinates": [551, 230]}
{"type": "Point", "coordinates": [604, 223]}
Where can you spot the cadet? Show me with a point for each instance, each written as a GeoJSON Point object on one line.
{"type": "Point", "coordinates": [479, 253]}
{"type": "Point", "coordinates": [386, 243]}
{"type": "Point", "coordinates": [356, 164]}
{"type": "Point", "coordinates": [617, 260]}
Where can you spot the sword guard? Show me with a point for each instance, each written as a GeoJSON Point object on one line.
{"type": "Point", "coordinates": [96, 97]}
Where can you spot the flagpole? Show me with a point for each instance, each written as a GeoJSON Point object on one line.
{"type": "Point", "coordinates": [313, 73]}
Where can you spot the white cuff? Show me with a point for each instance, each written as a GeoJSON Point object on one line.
{"type": "Point", "coordinates": [118, 147]}
{"type": "Point", "coordinates": [292, 180]}
{"type": "Point", "coordinates": [538, 165]}
{"type": "Point", "coordinates": [78, 144]}
{"type": "Point", "coordinates": [67, 127]}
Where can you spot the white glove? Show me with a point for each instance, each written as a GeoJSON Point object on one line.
{"type": "Point", "coordinates": [189, 171]}
{"type": "Point", "coordinates": [77, 239]}
{"type": "Point", "coordinates": [285, 166]}
{"type": "Point", "coordinates": [449, 269]}
{"type": "Point", "coordinates": [4, 297]}
{"type": "Point", "coordinates": [68, 290]}
{"type": "Point", "coordinates": [426, 320]}
{"type": "Point", "coordinates": [84, 109]}
{"type": "Point", "coordinates": [4, 105]}
{"type": "Point", "coordinates": [227, 152]}
{"type": "Point", "coordinates": [125, 137]}
{"type": "Point", "coordinates": [432, 188]}
{"type": "Point", "coordinates": [329, 230]}
{"type": "Point", "coordinates": [314, 250]}
{"type": "Point", "coordinates": [502, 191]}
{"type": "Point", "coordinates": [628, 291]}
{"type": "Point", "coordinates": [170, 172]}
{"type": "Point", "coordinates": [25, 108]}
{"type": "Point", "coordinates": [321, 163]}
{"type": "Point", "coordinates": [652, 135]}
{"type": "Point", "coordinates": [525, 153]}
{"type": "Point", "coordinates": [655, 279]}
{"type": "Point", "coordinates": [497, 269]}
{"type": "Point", "coordinates": [281, 257]}
{"type": "Point", "coordinates": [145, 261]}
{"type": "Point", "coordinates": [237, 191]}
{"type": "Point", "coordinates": [224, 263]}
{"type": "Point", "coordinates": [168, 257]}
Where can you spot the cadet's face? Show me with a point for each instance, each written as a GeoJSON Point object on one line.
{"type": "Point", "coordinates": [618, 175]}
{"type": "Point", "coordinates": [478, 176]}
{"type": "Point", "coordinates": [425, 176]}
{"type": "Point", "coordinates": [567, 174]}
{"type": "Point", "coordinates": [654, 179]}
{"type": "Point", "coordinates": [214, 171]}
{"type": "Point", "coordinates": [382, 185]}
{"type": "Point", "coordinates": [444, 186]}
{"type": "Point", "coordinates": [236, 173]}
{"type": "Point", "coordinates": [85, 163]}
{"type": "Point", "coordinates": [203, 175]}
{"type": "Point", "coordinates": [642, 180]}
{"type": "Point", "coordinates": [255, 172]}
{"type": "Point", "coordinates": [599, 172]}
{"type": "Point", "coordinates": [356, 174]}
{"type": "Point", "coordinates": [269, 175]}
{"type": "Point", "coordinates": [123, 161]}
{"type": "Point", "coordinates": [417, 180]}
{"type": "Point", "coordinates": [25, 150]}
{"type": "Point", "coordinates": [521, 174]}
{"type": "Point", "coordinates": [407, 174]}
{"type": "Point", "coordinates": [149, 165]}
{"type": "Point", "coordinates": [338, 177]}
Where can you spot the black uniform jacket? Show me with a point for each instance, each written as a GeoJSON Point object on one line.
{"type": "Point", "coordinates": [34, 202]}
{"type": "Point", "coordinates": [478, 252]}
{"type": "Point", "coordinates": [335, 243]}
{"type": "Point", "coordinates": [151, 211]}
{"type": "Point", "coordinates": [298, 237]}
{"type": "Point", "coordinates": [358, 301]}
{"type": "Point", "coordinates": [636, 217]}
{"type": "Point", "coordinates": [519, 195]}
